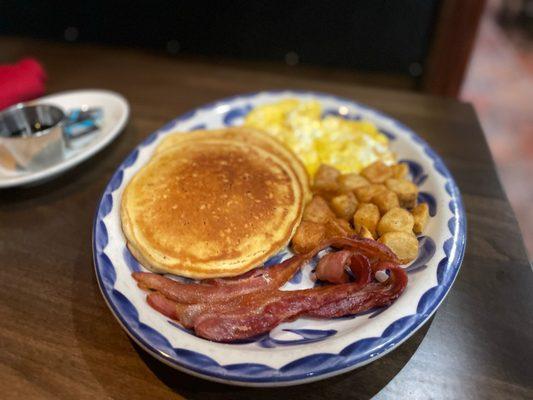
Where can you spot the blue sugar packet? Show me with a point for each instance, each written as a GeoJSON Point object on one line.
{"type": "Point", "coordinates": [81, 121]}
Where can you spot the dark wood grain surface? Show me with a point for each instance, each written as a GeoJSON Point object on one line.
{"type": "Point", "coordinates": [59, 340]}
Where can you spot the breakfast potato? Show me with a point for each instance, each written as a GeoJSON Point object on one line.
{"type": "Point", "coordinates": [399, 171]}
{"type": "Point", "coordinates": [396, 220]}
{"type": "Point", "coordinates": [308, 236]}
{"type": "Point", "coordinates": [344, 205]}
{"type": "Point", "coordinates": [407, 191]}
{"type": "Point", "coordinates": [350, 182]}
{"type": "Point", "coordinates": [317, 210]}
{"type": "Point", "coordinates": [326, 179]}
{"type": "Point", "coordinates": [367, 215]}
{"type": "Point", "coordinates": [385, 201]}
{"type": "Point", "coordinates": [365, 233]}
{"type": "Point", "coordinates": [420, 217]}
{"type": "Point", "coordinates": [403, 244]}
{"type": "Point", "coordinates": [338, 227]}
{"type": "Point", "coordinates": [377, 172]}
{"type": "Point", "coordinates": [364, 194]}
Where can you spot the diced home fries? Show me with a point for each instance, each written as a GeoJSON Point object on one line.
{"type": "Point", "coordinates": [317, 210]}
{"type": "Point", "coordinates": [365, 233]}
{"type": "Point", "coordinates": [350, 182]}
{"type": "Point", "coordinates": [338, 227]}
{"type": "Point", "coordinates": [365, 193]}
{"type": "Point", "coordinates": [377, 172]}
{"type": "Point", "coordinates": [406, 190]}
{"type": "Point", "coordinates": [380, 203]}
{"type": "Point", "coordinates": [421, 216]}
{"type": "Point", "coordinates": [307, 235]}
{"type": "Point", "coordinates": [399, 171]}
{"type": "Point", "coordinates": [396, 220]}
{"type": "Point", "coordinates": [326, 179]}
{"type": "Point", "coordinates": [367, 215]}
{"type": "Point", "coordinates": [344, 205]}
{"type": "Point", "coordinates": [404, 244]}
{"type": "Point", "coordinates": [385, 201]}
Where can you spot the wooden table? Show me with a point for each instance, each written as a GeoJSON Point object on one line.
{"type": "Point", "coordinates": [59, 340]}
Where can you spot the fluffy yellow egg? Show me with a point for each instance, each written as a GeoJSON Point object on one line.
{"type": "Point", "coordinates": [345, 144]}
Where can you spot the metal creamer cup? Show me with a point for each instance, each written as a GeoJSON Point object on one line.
{"type": "Point", "coordinates": [31, 137]}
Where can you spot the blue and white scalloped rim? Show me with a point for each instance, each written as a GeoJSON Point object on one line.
{"type": "Point", "coordinates": [304, 350]}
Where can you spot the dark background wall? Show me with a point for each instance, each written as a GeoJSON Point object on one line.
{"type": "Point", "coordinates": [374, 35]}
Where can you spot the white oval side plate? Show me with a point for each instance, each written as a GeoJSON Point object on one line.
{"type": "Point", "coordinates": [307, 349]}
{"type": "Point", "coordinates": [116, 111]}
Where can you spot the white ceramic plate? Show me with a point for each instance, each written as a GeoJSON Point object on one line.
{"type": "Point", "coordinates": [115, 115]}
{"type": "Point", "coordinates": [306, 349]}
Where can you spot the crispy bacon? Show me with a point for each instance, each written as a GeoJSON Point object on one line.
{"type": "Point", "coordinates": [271, 307]}
{"type": "Point", "coordinates": [190, 293]}
{"type": "Point", "coordinates": [360, 267]}
{"type": "Point", "coordinates": [239, 308]}
{"type": "Point", "coordinates": [373, 250]}
{"type": "Point", "coordinates": [330, 268]}
{"type": "Point", "coordinates": [187, 314]}
{"type": "Point", "coordinates": [323, 302]}
{"type": "Point", "coordinates": [372, 295]}
{"type": "Point", "coordinates": [165, 306]}
{"type": "Point", "coordinates": [264, 278]}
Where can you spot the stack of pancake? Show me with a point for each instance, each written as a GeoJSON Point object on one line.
{"type": "Point", "coordinates": [214, 203]}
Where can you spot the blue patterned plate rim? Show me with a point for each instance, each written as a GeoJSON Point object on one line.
{"type": "Point", "coordinates": [316, 366]}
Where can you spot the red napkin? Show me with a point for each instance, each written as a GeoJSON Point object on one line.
{"type": "Point", "coordinates": [21, 82]}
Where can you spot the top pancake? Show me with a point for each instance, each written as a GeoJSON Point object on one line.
{"type": "Point", "coordinates": [252, 136]}
{"type": "Point", "coordinates": [211, 208]}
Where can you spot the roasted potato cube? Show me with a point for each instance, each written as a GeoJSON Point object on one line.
{"type": "Point", "coordinates": [365, 233]}
{"type": "Point", "coordinates": [377, 172]}
{"type": "Point", "coordinates": [344, 205]}
{"type": "Point", "coordinates": [326, 179]}
{"type": "Point", "coordinates": [407, 191]}
{"type": "Point", "coordinates": [308, 236]}
{"type": "Point", "coordinates": [350, 182]}
{"type": "Point", "coordinates": [367, 215]}
{"type": "Point", "coordinates": [403, 244]}
{"type": "Point", "coordinates": [338, 227]}
{"type": "Point", "coordinates": [396, 220]}
{"type": "Point", "coordinates": [385, 201]}
{"type": "Point", "coordinates": [420, 216]}
{"type": "Point", "coordinates": [399, 171]}
{"type": "Point", "coordinates": [317, 210]}
{"type": "Point", "coordinates": [364, 194]}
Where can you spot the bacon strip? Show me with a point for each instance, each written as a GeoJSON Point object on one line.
{"type": "Point", "coordinates": [224, 312]}
{"type": "Point", "coordinates": [163, 305]}
{"type": "Point", "coordinates": [373, 250]}
{"type": "Point", "coordinates": [322, 302]}
{"type": "Point", "coordinates": [265, 278]}
{"type": "Point", "coordinates": [372, 295]}
{"type": "Point", "coordinates": [330, 268]}
{"type": "Point", "coordinates": [187, 314]}
{"type": "Point", "coordinates": [276, 306]}
{"type": "Point", "coordinates": [190, 293]}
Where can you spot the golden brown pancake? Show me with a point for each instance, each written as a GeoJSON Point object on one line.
{"type": "Point", "coordinates": [252, 136]}
{"type": "Point", "coordinates": [211, 208]}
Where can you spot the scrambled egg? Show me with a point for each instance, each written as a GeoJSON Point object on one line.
{"type": "Point", "coordinates": [345, 144]}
